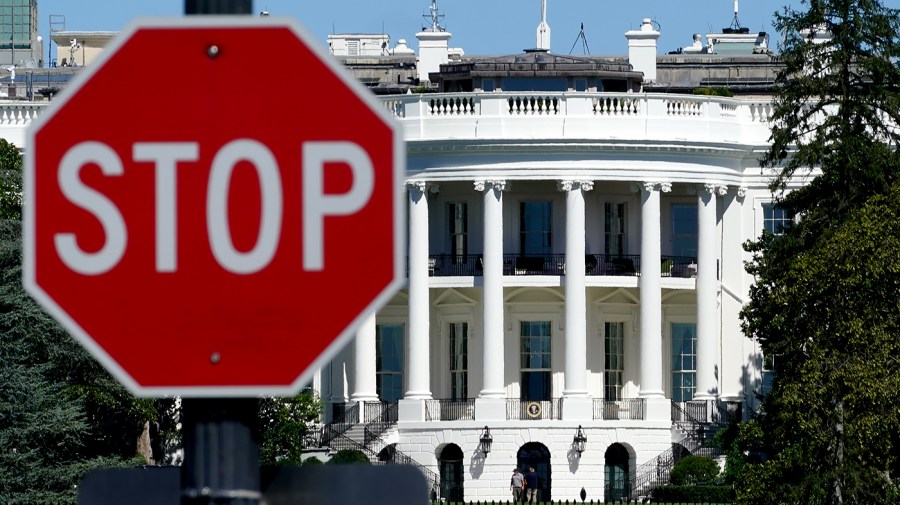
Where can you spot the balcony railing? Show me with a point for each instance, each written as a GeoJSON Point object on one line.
{"type": "Point", "coordinates": [533, 410]}
{"type": "Point", "coordinates": [450, 410]}
{"type": "Point", "coordinates": [461, 265]}
{"type": "Point", "coordinates": [583, 115]}
{"type": "Point", "coordinates": [630, 409]}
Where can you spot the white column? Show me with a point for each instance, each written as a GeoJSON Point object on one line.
{"type": "Point", "coordinates": [576, 308]}
{"type": "Point", "coordinates": [651, 291]}
{"type": "Point", "coordinates": [419, 302]}
{"type": "Point", "coordinates": [576, 404]}
{"type": "Point", "coordinates": [364, 377]}
{"type": "Point", "coordinates": [412, 407]}
{"type": "Point", "coordinates": [707, 291]}
{"type": "Point", "coordinates": [490, 404]}
{"type": "Point", "coordinates": [338, 378]}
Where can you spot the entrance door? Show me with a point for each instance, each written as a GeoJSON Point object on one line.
{"type": "Point", "coordinates": [536, 454]}
{"type": "Point", "coordinates": [451, 467]}
{"type": "Point", "coordinates": [616, 478]}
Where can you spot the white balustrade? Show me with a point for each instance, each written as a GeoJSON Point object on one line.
{"type": "Point", "coordinates": [684, 107]}
{"type": "Point", "coordinates": [531, 105]}
{"type": "Point", "coordinates": [616, 105]}
{"type": "Point", "coordinates": [586, 115]}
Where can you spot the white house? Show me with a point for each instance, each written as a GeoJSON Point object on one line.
{"type": "Point", "coordinates": [576, 272]}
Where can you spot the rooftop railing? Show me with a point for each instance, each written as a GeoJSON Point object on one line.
{"type": "Point", "coordinates": [582, 115]}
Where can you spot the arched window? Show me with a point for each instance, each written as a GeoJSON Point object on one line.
{"type": "Point", "coordinates": [536, 455]}
{"type": "Point", "coordinates": [451, 467]}
{"type": "Point", "coordinates": [617, 481]}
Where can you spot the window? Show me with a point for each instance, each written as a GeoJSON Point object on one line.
{"type": "Point", "coordinates": [459, 361]}
{"type": "Point", "coordinates": [768, 372]}
{"type": "Point", "coordinates": [487, 84]}
{"type": "Point", "coordinates": [614, 218]}
{"type": "Point", "coordinates": [459, 232]}
{"type": "Point", "coordinates": [535, 360]}
{"type": "Point", "coordinates": [389, 361]}
{"type": "Point", "coordinates": [684, 230]}
{"type": "Point", "coordinates": [534, 229]}
{"type": "Point", "coordinates": [614, 360]}
{"type": "Point", "coordinates": [775, 219]}
{"type": "Point", "coordinates": [684, 359]}
{"type": "Point", "coordinates": [580, 85]}
{"type": "Point", "coordinates": [353, 47]}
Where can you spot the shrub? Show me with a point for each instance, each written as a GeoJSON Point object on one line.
{"type": "Point", "coordinates": [694, 470]}
{"type": "Point", "coordinates": [312, 460]}
{"type": "Point", "coordinates": [713, 92]}
{"type": "Point", "coordinates": [693, 494]}
{"type": "Point", "coordinates": [349, 456]}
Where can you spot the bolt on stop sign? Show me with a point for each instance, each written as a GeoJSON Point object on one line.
{"type": "Point", "coordinates": [214, 207]}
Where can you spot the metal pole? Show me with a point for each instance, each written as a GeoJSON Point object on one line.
{"type": "Point", "coordinates": [221, 452]}
{"type": "Point", "coordinates": [218, 6]}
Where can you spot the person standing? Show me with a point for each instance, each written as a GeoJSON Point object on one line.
{"type": "Point", "coordinates": [531, 486]}
{"type": "Point", "coordinates": [517, 484]}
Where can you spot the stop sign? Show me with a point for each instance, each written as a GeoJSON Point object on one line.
{"type": "Point", "coordinates": [214, 207]}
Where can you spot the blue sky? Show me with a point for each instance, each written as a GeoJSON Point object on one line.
{"type": "Point", "coordinates": [478, 26]}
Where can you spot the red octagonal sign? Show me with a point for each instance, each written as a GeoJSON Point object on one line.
{"type": "Point", "coordinates": [214, 207]}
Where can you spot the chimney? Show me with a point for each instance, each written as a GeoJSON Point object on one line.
{"type": "Point", "coordinates": [434, 50]}
{"type": "Point", "coordinates": [434, 44]}
{"type": "Point", "coordinates": [642, 49]}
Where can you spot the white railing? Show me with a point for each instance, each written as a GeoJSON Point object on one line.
{"type": "Point", "coordinates": [634, 116]}
{"type": "Point", "coordinates": [19, 114]}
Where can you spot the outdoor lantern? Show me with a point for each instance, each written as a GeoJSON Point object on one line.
{"type": "Point", "coordinates": [579, 441]}
{"type": "Point", "coordinates": [484, 443]}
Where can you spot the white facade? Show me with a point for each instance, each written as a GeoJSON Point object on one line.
{"type": "Point", "coordinates": [675, 170]}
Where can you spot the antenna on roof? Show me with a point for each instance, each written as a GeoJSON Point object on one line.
{"type": "Point", "coordinates": [435, 18]}
{"type": "Point", "coordinates": [736, 23]}
{"type": "Point", "coordinates": [584, 42]}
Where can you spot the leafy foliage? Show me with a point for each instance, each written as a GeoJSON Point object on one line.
{"type": "Point", "coordinates": [284, 422]}
{"type": "Point", "coordinates": [826, 298]}
{"type": "Point", "coordinates": [349, 456]}
{"type": "Point", "coordinates": [10, 181]}
{"type": "Point", "coordinates": [694, 470]}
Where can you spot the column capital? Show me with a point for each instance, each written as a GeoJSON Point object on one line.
{"type": "Point", "coordinates": [741, 191]}
{"type": "Point", "coordinates": [420, 186]}
{"type": "Point", "coordinates": [569, 185]}
{"type": "Point", "coordinates": [715, 189]}
{"type": "Point", "coordinates": [649, 186]}
{"type": "Point", "coordinates": [485, 184]}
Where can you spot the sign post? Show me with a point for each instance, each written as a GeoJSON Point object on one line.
{"type": "Point", "coordinates": [214, 244]}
